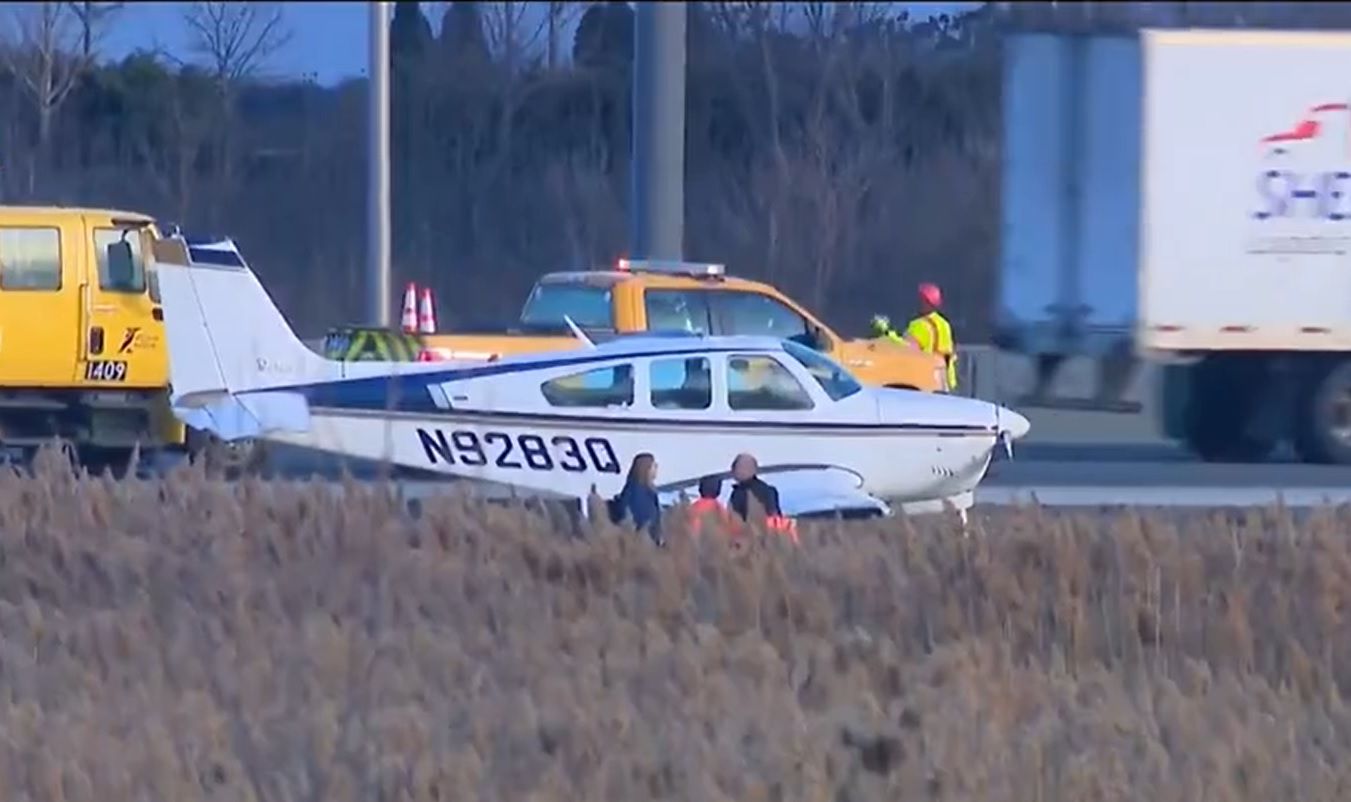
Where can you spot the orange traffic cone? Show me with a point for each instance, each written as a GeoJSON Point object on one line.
{"type": "Point", "coordinates": [426, 315]}
{"type": "Point", "coordinates": [410, 308]}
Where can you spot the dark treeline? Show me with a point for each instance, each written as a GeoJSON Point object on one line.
{"type": "Point", "coordinates": [840, 150]}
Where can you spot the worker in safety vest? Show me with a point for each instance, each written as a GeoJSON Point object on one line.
{"type": "Point", "coordinates": [708, 507]}
{"type": "Point", "coordinates": [930, 332]}
{"type": "Point", "coordinates": [745, 470]}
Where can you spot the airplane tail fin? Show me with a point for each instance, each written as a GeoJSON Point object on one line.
{"type": "Point", "coordinates": [225, 335]}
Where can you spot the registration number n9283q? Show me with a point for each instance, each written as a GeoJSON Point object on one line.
{"type": "Point", "coordinates": [531, 452]}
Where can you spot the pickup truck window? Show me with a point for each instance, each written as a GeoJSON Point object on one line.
{"type": "Point", "coordinates": [103, 237]}
{"type": "Point", "coordinates": [681, 383]}
{"type": "Point", "coordinates": [754, 313]}
{"type": "Point", "coordinates": [599, 388]}
{"type": "Point", "coordinates": [833, 378]}
{"type": "Point", "coordinates": [677, 310]}
{"type": "Point", "coordinates": [590, 307]}
{"type": "Point", "coordinates": [761, 383]}
{"type": "Point", "coordinates": [30, 259]}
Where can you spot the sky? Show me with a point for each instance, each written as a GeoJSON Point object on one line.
{"type": "Point", "coordinates": [328, 39]}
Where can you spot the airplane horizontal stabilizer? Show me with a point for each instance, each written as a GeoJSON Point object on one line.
{"type": "Point", "coordinates": [249, 415]}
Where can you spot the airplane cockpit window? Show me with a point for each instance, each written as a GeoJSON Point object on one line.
{"type": "Point", "coordinates": [598, 388]}
{"type": "Point", "coordinates": [833, 378]}
{"type": "Point", "coordinates": [761, 383]}
{"type": "Point", "coordinates": [682, 383]}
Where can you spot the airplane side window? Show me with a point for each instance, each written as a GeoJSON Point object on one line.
{"type": "Point", "coordinates": [757, 314]}
{"type": "Point", "coordinates": [599, 388]}
{"type": "Point", "coordinates": [30, 259]}
{"type": "Point", "coordinates": [676, 310]}
{"type": "Point", "coordinates": [761, 383]}
{"type": "Point", "coordinates": [682, 383]}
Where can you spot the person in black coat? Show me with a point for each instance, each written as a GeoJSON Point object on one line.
{"type": "Point", "coordinates": [748, 484]}
{"type": "Point", "coordinates": [638, 501]}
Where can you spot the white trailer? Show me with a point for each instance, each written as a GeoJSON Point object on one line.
{"type": "Point", "coordinates": [1184, 197]}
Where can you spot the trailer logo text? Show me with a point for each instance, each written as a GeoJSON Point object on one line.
{"type": "Point", "coordinates": [1304, 183]}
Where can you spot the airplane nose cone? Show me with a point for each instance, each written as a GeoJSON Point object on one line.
{"type": "Point", "coordinates": [1012, 422]}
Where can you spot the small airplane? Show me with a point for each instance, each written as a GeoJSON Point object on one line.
{"type": "Point", "coordinates": [560, 424]}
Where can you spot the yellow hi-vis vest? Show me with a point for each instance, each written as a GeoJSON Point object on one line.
{"type": "Point", "coordinates": [933, 334]}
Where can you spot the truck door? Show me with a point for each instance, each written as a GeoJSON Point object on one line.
{"type": "Point", "coordinates": [123, 334]}
{"type": "Point", "coordinates": [39, 305]}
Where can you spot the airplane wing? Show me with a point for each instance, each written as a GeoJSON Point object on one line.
{"type": "Point", "coordinates": [806, 491]}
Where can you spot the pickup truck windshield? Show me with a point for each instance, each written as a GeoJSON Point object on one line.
{"type": "Point", "coordinates": [590, 307]}
{"type": "Point", "coordinates": [834, 379]}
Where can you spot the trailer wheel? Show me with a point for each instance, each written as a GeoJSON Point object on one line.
{"type": "Point", "coordinates": [1223, 402]}
{"type": "Point", "coordinates": [1323, 429]}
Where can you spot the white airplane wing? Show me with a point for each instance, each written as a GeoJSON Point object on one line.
{"type": "Point", "coordinates": [804, 491]}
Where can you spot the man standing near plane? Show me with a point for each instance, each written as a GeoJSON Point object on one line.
{"type": "Point", "coordinates": [748, 484]}
{"type": "Point", "coordinates": [930, 331]}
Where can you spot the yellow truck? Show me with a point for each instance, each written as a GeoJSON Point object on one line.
{"type": "Point", "coordinates": [656, 296]}
{"type": "Point", "coordinates": [82, 346]}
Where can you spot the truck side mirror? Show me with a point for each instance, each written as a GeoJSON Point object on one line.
{"type": "Point", "coordinates": [121, 266]}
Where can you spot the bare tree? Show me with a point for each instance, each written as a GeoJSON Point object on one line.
{"type": "Point", "coordinates": [45, 56]}
{"type": "Point", "coordinates": [236, 39]}
{"type": "Point", "coordinates": [517, 31]}
{"type": "Point", "coordinates": [560, 15]}
{"type": "Point", "coordinates": [93, 18]}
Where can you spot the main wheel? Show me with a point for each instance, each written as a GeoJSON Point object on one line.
{"type": "Point", "coordinates": [1323, 427]}
{"type": "Point", "coordinates": [1225, 397]}
{"type": "Point", "coordinates": [230, 459]}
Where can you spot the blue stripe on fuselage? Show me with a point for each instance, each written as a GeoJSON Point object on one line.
{"type": "Point", "coordinates": [409, 393]}
{"type": "Point", "coordinates": [625, 422]}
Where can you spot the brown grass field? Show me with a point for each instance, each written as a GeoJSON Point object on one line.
{"type": "Point", "coordinates": [185, 640]}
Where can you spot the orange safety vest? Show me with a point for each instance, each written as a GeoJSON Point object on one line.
{"type": "Point", "coordinates": [783, 525]}
{"type": "Point", "coordinates": [702, 506]}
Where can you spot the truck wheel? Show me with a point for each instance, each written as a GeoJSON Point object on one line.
{"type": "Point", "coordinates": [1223, 401]}
{"type": "Point", "coordinates": [1323, 430]}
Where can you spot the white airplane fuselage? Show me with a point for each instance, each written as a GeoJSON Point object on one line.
{"type": "Point", "coordinates": [569, 457]}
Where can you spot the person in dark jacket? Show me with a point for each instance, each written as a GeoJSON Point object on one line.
{"type": "Point", "coordinates": [748, 484]}
{"type": "Point", "coordinates": [638, 501]}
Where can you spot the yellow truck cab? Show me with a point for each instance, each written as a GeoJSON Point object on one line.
{"type": "Point", "coordinates": [659, 296]}
{"type": "Point", "coordinates": [82, 346]}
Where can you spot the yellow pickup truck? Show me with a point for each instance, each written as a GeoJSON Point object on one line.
{"type": "Point", "coordinates": [645, 295]}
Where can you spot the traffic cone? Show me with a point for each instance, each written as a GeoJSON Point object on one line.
{"type": "Point", "coordinates": [426, 315]}
{"type": "Point", "coordinates": [410, 308]}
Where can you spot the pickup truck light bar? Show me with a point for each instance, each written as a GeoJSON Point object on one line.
{"type": "Point", "coordinates": [670, 266]}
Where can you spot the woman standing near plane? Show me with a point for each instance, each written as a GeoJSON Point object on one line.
{"type": "Point", "coordinates": [638, 499]}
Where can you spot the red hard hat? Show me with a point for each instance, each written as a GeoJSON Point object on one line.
{"type": "Point", "coordinates": [930, 294]}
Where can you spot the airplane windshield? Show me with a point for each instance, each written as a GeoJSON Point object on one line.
{"type": "Point", "coordinates": [834, 379]}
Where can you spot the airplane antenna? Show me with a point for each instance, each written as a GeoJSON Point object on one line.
{"type": "Point", "coordinates": [577, 332]}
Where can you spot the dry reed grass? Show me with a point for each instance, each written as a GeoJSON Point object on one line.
{"type": "Point", "coordinates": [185, 640]}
